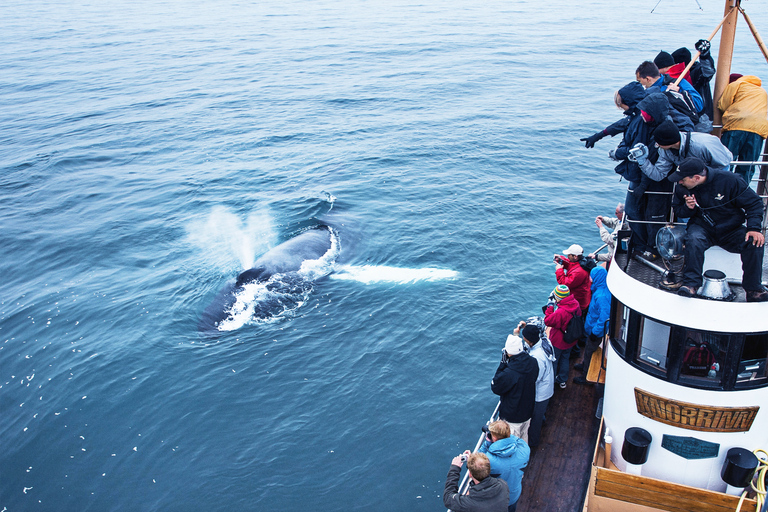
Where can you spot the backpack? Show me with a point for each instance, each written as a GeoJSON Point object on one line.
{"type": "Point", "coordinates": [574, 330]}
{"type": "Point", "coordinates": [684, 111]}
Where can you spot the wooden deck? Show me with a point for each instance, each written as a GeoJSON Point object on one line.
{"type": "Point", "coordinates": [557, 476]}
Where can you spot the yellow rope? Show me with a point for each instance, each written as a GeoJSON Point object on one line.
{"type": "Point", "coordinates": [760, 474]}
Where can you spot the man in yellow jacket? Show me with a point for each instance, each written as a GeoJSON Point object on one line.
{"type": "Point", "coordinates": [744, 104]}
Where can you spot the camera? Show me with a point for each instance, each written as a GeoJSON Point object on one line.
{"type": "Point", "coordinates": [635, 153]}
{"type": "Point", "coordinates": [463, 457]}
{"type": "Point", "coordinates": [487, 432]}
{"type": "Point", "coordinates": [558, 260]}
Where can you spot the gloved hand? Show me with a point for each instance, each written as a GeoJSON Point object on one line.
{"type": "Point", "coordinates": [639, 190]}
{"type": "Point", "coordinates": [504, 356]}
{"type": "Point", "coordinates": [703, 46]}
{"type": "Point", "coordinates": [589, 142]}
{"type": "Point", "coordinates": [551, 303]}
{"type": "Point", "coordinates": [639, 153]}
{"type": "Point", "coordinates": [612, 155]}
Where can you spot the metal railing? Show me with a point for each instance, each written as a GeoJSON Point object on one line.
{"type": "Point", "coordinates": [760, 179]}
{"type": "Point", "coordinates": [464, 485]}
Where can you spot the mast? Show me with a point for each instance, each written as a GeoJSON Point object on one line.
{"type": "Point", "coordinates": [724, 56]}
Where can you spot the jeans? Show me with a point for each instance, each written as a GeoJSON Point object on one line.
{"type": "Point", "coordinates": [745, 146]}
{"type": "Point", "coordinates": [562, 364]}
{"type": "Point", "coordinates": [698, 240]}
{"type": "Point", "coordinates": [534, 431]}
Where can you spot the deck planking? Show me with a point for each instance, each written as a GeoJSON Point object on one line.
{"type": "Point", "coordinates": [557, 476]}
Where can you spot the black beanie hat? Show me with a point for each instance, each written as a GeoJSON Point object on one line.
{"type": "Point", "coordinates": [664, 60]}
{"type": "Point", "coordinates": [667, 134]}
{"type": "Point", "coordinates": [531, 333]}
{"type": "Point", "coordinates": [681, 55]}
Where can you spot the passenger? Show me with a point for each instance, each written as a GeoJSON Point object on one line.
{"type": "Point", "coordinates": [674, 147]}
{"type": "Point", "coordinates": [650, 77]}
{"type": "Point", "coordinates": [508, 456]}
{"type": "Point", "coordinates": [486, 493]}
{"type": "Point", "coordinates": [701, 72]}
{"type": "Point", "coordinates": [557, 313]}
{"type": "Point", "coordinates": [626, 99]}
{"type": "Point", "coordinates": [596, 321]}
{"type": "Point", "coordinates": [684, 109]}
{"type": "Point", "coordinates": [541, 350]}
{"type": "Point", "coordinates": [744, 105]}
{"type": "Point", "coordinates": [608, 237]}
{"type": "Point", "coordinates": [717, 202]}
{"type": "Point", "coordinates": [667, 66]}
{"type": "Point", "coordinates": [515, 383]}
{"type": "Point", "coordinates": [568, 271]}
{"type": "Point", "coordinates": [653, 110]}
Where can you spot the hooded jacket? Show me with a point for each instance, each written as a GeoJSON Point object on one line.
{"type": "Point", "coordinates": [489, 495]}
{"type": "Point", "coordinates": [576, 279]}
{"type": "Point", "coordinates": [631, 94]}
{"type": "Point", "coordinates": [515, 383]}
{"type": "Point", "coordinates": [638, 131]}
{"type": "Point", "coordinates": [545, 382]}
{"type": "Point", "coordinates": [726, 199]}
{"type": "Point", "coordinates": [600, 306]}
{"type": "Point", "coordinates": [744, 104]}
{"type": "Point", "coordinates": [558, 320]}
{"type": "Point", "coordinates": [508, 459]}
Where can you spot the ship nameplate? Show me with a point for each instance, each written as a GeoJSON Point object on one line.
{"type": "Point", "coordinates": [690, 448]}
{"type": "Point", "coordinates": [704, 418]}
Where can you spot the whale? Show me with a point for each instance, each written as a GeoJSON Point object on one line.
{"type": "Point", "coordinates": [279, 281]}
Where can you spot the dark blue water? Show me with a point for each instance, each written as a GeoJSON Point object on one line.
{"type": "Point", "coordinates": [150, 151]}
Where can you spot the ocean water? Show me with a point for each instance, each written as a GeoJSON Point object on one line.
{"type": "Point", "coordinates": [151, 151]}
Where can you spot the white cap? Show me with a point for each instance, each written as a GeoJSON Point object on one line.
{"type": "Point", "coordinates": [574, 249]}
{"type": "Point", "coordinates": [514, 345]}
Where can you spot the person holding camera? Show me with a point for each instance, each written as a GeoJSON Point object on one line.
{"type": "Point", "coordinates": [515, 383]}
{"type": "Point", "coordinates": [485, 494]}
{"type": "Point", "coordinates": [569, 272]}
{"type": "Point", "coordinates": [557, 314]}
{"type": "Point", "coordinates": [508, 456]}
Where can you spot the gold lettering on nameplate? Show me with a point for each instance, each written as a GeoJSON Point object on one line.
{"type": "Point", "coordinates": [704, 418]}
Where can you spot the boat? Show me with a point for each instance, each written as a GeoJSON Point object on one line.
{"type": "Point", "coordinates": [682, 423]}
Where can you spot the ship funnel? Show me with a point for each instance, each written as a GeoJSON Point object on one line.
{"type": "Point", "coordinates": [715, 286]}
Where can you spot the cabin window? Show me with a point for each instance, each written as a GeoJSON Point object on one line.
{"type": "Point", "coordinates": [753, 362]}
{"type": "Point", "coordinates": [620, 325]}
{"type": "Point", "coordinates": [653, 344]}
{"type": "Point", "coordinates": [703, 357]}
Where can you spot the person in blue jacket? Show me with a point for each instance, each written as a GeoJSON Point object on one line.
{"type": "Point", "coordinates": [596, 321]}
{"type": "Point", "coordinates": [509, 456]}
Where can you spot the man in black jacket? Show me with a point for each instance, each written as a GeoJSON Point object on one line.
{"type": "Point", "coordinates": [515, 383]}
{"type": "Point", "coordinates": [717, 203]}
{"type": "Point", "coordinates": [486, 493]}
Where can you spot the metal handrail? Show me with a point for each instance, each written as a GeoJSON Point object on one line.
{"type": "Point", "coordinates": [464, 485]}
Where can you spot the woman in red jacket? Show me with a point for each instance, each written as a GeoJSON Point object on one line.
{"type": "Point", "coordinates": [557, 313]}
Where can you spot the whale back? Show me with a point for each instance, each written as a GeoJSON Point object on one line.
{"type": "Point", "coordinates": [286, 291]}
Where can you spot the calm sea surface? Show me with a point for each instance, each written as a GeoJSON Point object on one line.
{"type": "Point", "coordinates": [150, 151]}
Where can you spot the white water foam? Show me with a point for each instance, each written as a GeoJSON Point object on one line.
{"type": "Point", "coordinates": [369, 274]}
